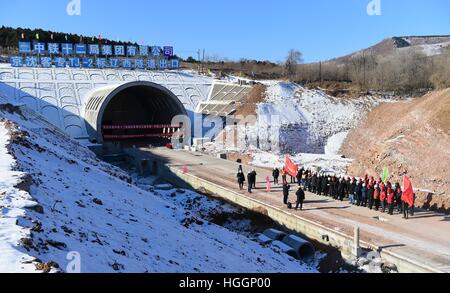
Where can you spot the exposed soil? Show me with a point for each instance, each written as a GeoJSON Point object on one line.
{"type": "Point", "coordinates": [256, 96]}
{"type": "Point", "coordinates": [410, 138]}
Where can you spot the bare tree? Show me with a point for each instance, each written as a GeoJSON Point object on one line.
{"type": "Point", "coordinates": [293, 59]}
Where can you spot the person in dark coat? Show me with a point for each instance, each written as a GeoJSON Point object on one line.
{"type": "Point", "coordinates": [326, 185]}
{"type": "Point", "coordinates": [314, 183]}
{"type": "Point", "coordinates": [364, 192]}
{"type": "Point", "coordinates": [276, 175]}
{"type": "Point", "coordinates": [333, 187]}
{"type": "Point", "coordinates": [241, 179]}
{"type": "Point", "coordinates": [300, 198]}
{"type": "Point", "coordinates": [405, 210]}
{"type": "Point", "coordinates": [286, 188]}
{"type": "Point", "coordinates": [398, 197]}
{"type": "Point", "coordinates": [299, 176]}
{"type": "Point", "coordinates": [358, 192]}
{"type": "Point", "coordinates": [254, 178]}
{"type": "Point", "coordinates": [307, 181]}
{"type": "Point", "coordinates": [250, 182]}
{"type": "Point", "coordinates": [352, 191]}
{"type": "Point", "coordinates": [319, 184]}
{"type": "Point", "coordinates": [348, 182]}
{"type": "Point", "coordinates": [341, 189]}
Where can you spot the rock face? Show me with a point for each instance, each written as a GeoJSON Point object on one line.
{"type": "Point", "coordinates": [411, 138]}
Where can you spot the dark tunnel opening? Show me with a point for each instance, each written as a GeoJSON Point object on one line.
{"type": "Point", "coordinates": [141, 115]}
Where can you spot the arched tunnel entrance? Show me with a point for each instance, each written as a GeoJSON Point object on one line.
{"type": "Point", "coordinates": [135, 113]}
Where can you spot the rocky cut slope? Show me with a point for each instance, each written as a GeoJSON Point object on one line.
{"type": "Point", "coordinates": [410, 138]}
{"type": "Point", "coordinates": [59, 204]}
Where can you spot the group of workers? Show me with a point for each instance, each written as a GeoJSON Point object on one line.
{"type": "Point", "coordinates": [366, 192]}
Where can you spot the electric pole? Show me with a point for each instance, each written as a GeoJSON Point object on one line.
{"type": "Point", "coordinates": [199, 61]}
{"type": "Point", "coordinates": [320, 73]}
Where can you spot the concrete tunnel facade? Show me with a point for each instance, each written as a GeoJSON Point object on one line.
{"type": "Point", "coordinates": [133, 103]}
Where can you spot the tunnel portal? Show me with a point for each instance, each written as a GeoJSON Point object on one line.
{"type": "Point", "coordinates": [133, 113]}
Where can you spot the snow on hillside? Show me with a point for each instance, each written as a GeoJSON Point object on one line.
{"type": "Point", "coordinates": [307, 124]}
{"type": "Point", "coordinates": [12, 204]}
{"type": "Point", "coordinates": [73, 203]}
{"type": "Point", "coordinates": [429, 49]}
{"type": "Point", "coordinates": [309, 118]}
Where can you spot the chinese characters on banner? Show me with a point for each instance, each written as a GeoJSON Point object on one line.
{"type": "Point", "coordinates": [46, 55]}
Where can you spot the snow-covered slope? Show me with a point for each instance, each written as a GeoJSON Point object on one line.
{"type": "Point", "coordinates": [309, 118]}
{"type": "Point", "coordinates": [78, 205]}
{"type": "Point", "coordinates": [307, 124]}
{"type": "Point", "coordinates": [12, 204]}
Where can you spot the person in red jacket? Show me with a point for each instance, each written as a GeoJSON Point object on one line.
{"type": "Point", "coordinates": [376, 197]}
{"type": "Point", "coordinates": [390, 200]}
{"type": "Point", "coordinates": [383, 197]}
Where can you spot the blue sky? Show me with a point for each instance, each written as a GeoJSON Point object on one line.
{"type": "Point", "coordinates": [253, 29]}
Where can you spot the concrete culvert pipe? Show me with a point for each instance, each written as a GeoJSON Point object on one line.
{"type": "Point", "coordinates": [274, 234]}
{"type": "Point", "coordinates": [304, 250]}
{"type": "Point", "coordinates": [285, 248]}
{"type": "Point", "coordinates": [264, 240]}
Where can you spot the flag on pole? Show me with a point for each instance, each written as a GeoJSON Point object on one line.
{"type": "Point", "coordinates": [408, 191]}
{"type": "Point", "coordinates": [290, 167]}
{"type": "Point", "coordinates": [385, 175]}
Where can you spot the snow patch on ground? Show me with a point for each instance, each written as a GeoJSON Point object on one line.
{"type": "Point", "coordinates": [309, 118]}
{"type": "Point", "coordinates": [335, 142]}
{"type": "Point", "coordinates": [12, 204]}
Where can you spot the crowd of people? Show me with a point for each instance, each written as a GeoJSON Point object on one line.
{"type": "Point", "coordinates": [367, 192]}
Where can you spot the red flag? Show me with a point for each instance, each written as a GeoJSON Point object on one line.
{"type": "Point", "coordinates": [408, 192]}
{"type": "Point", "coordinates": [290, 167]}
